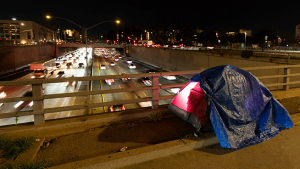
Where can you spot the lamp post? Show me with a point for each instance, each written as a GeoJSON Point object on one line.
{"type": "Point", "coordinates": [85, 32]}
{"type": "Point", "coordinates": [245, 39]}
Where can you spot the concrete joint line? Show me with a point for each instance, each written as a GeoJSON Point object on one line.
{"type": "Point", "coordinates": [139, 158]}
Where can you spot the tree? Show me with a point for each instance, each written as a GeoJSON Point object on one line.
{"type": "Point", "coordinates": [207, 37]}
{"type": "Point", "coordinates": [262, 34]}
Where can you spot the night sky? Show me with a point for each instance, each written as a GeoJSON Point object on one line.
{"type": "Point", "coordinates": [218, 15]}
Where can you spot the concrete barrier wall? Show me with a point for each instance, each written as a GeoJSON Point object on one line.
{"type": "Point", "coordinates": [14, 58]}
{"type": "Point", "coordinates": [179, 60]}
{"type": "Point", "coordinates": [7, 63]}
{"type": "Point", "coordinates": [65, 50]}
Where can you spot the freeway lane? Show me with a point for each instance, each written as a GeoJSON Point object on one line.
{"type": "Point", "coordinates": [50, 88]}
{"type": "Point", "coordinates": [55, 88]}
{"type": "Point", "coordinates": [121, 67]}
{"type": "Point", "coordinates": [117, 84]}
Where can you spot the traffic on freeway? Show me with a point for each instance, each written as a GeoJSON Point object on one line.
{"type": "Point", "coordinates": [122, 66]}
{"type": "Point", "coordinates": [105, 62]}
{"type": "Point", "coordinates": [65, 66]}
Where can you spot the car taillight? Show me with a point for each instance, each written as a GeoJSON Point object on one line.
{"type": "Point", "coordinates": [111, 109]}
{"type": "Point", "coordinates": [123, 107]}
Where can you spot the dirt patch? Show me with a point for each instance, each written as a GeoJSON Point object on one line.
{"type": "Point", "coordinates": [291, 104]}
{"type": "Point", "coordinates": [110, 139]}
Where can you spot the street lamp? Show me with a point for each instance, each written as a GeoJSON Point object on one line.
{"type": "Point", "coordinates": [85, 31]}
{"type": "Point", "coordinates": [245, 39]}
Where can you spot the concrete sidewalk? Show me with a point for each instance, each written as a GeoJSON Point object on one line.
{"type": "Point", "coordinates": [282, 151]}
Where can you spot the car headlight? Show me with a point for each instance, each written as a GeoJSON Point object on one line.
{"type": "Point", "coordinates": [73, 83]}
{"type": "Point", "coordinates": [56, 75]}
{"type": "Point", "coordinates": [67, 84]}
{"type": "Point", "coordinates": [41, 76]}
{"type": "Point", "coordinates": [32, 77]}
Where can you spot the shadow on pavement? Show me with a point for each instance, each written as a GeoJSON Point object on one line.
{"type": "Point", "coordinates": [216, 149]}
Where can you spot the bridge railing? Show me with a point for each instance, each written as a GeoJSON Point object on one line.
{"type": "Point", "coordinates": [37, 95]}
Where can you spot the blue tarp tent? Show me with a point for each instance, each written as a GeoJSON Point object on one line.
{"type": "Point", "coordinates": [241, 109]}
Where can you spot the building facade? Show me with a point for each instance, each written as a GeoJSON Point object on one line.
{"type": "Point", "coordinates": [247, 32]}
{"type": "Point", "coordinates": [25, 32]}
{"type": "Point", "coordinates": [297, 34]}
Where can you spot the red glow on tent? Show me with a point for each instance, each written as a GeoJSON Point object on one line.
{"type": "Point", "coordinates": [191, 98]}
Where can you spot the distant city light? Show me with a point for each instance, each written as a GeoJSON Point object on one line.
{"type": "Point", "coordinates": [14, 19]}
{"type": "Point", "coordinates": [22, 24]}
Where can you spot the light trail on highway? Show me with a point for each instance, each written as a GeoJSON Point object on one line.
{"type": "Point", "coordinates": [49, 88]}
{"type": "Point", "coordinates": [55, 88]}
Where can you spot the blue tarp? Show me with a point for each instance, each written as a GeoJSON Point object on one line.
{"type": "Point", "coordinates": [242, 110]}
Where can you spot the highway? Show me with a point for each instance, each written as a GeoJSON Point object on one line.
{"type": "Point", "coordinates": [122, 67]}
{"type": "Point", "coordinates": [55, 88]}
{"type": "Point", "coordinates": [50, 88]}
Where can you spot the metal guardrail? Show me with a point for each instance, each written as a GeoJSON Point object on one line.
{"type": "Point", "coordinates": [38, 97]}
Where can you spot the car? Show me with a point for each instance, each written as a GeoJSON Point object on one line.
{"type": "Point", "coordinates": [69, 65]}
{"type": "Point", "coordinates": [131, 66]}
{"type": "Point", "coordinates": [112, 64]}
{"type": "Point", "coordinates": [129, 61]}
{"type": "Point", "coordinates": [175, 90]}
{"type": "Point", "coordinates": [71, 83]}
{"type": "Point", "coordinates": [116, 59]}
{"type": "Point", "coordinates": [152, 71]}
{"type": "Point", "coordinates": [61, 74]}
{"type": "Point", "coordinates": [109, 81]}
{"type": "Point", "coordinates": [146, 81]}
{"type": "Point", "coordinates": [102, 67]}
{"type": "Point", "coordinates": [39, 74]}
{"type": "Point", "coordinates": [65, 61]}
{"type": "Point", "coordinates": [170, 77]}
{"type": "Point", "coordinates": [206, 48]}
{"type": "Point", "coordinates": [74, 60]}
{"type": "Point", "coordinates": [2, 96]}
{"type": "Point", "coordinates": [58, 65]}
{"type": "Point", "coordinates": [118, 107]}
{"type": "Point", "coordinates": [123, 79]}
{"type": "Point", "coordinates": [21, 104]}
{"type": "Point", "coordinates": [80, 65]}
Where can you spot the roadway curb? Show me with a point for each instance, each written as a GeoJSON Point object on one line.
{"type": "Point", "coordinates": [29, 155]}
{"type": "Point", "coordinates": [71, 125]}
{"type": "Point", "coordinates": [139, 155]}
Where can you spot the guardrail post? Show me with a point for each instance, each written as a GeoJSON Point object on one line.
{"type": "Point", "coordinates": [37, 91]}
{"type": "Point", "coordinates": [155, 92]}
{"type": "Point", "coordinates": [286, 79]}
